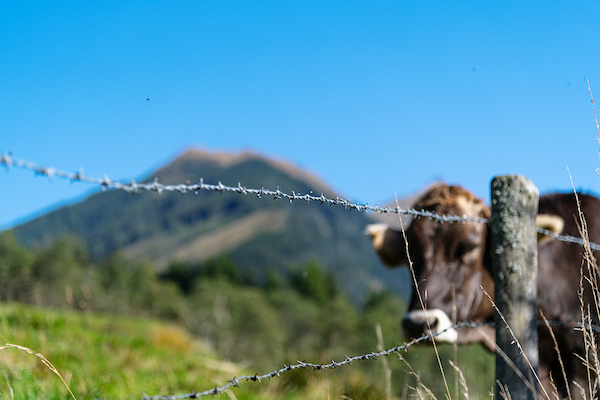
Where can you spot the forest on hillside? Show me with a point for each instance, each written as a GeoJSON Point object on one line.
{"type": "Point", "coordinates": [263, 323]}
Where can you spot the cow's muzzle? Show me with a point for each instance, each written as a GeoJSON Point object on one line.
{"type": "Point", "coordinates": [419, 322]}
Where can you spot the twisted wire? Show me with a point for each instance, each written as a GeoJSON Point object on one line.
{"type": "Point", "coordinates": [315, 367]}
{"type": "Point", "coordinates": [235, 382]}
{"type": "Point", "coordinates": [567, 238]}
{"type": "Point", "coordinates": [135, 187]}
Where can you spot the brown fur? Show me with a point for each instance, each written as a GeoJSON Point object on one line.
{"type": "Point", "coordinates": [450, 195]}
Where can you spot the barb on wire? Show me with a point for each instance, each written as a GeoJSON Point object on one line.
{"type": "Point", "coordinates": [135, 187]}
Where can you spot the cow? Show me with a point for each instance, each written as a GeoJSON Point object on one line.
{"type": "Point", "coordinates": [452, 263]}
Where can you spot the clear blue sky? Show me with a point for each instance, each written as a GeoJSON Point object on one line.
{"type": "Point", "coordinates": [375, 97]}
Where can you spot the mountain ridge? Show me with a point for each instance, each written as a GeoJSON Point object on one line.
{"type": "Point", "coordinates": [227, 159]}
{"type": "Point", "coordinates": [258, 234]}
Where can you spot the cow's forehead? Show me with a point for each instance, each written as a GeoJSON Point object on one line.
{"type": "Point", "coordinates": [451, 199]}
{"type": "Point", "coordinates": [470, 207]}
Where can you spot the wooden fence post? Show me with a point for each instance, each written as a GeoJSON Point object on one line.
{"type": "Point", "coordinates": [514, 252]}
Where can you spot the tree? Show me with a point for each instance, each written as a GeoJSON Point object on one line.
{"type": "Point", "coordinates": [15, 269]}
{"type": "Point", "coordinates": [313, 282]}
{"type": "Point", "coordinates": [182, 274]}
{"type": "Point", "coordinates": [222, 267]}
{"type": "Point", "coordinates": [273, 281]}
{"type": "Point", "coordinates": [57, 270]}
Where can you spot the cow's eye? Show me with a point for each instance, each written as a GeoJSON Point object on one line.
{"type": "Point", "coordinates": [463, 248]}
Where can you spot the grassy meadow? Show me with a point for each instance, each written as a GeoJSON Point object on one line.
{"type": "Point", "coordinates": [102, 356]}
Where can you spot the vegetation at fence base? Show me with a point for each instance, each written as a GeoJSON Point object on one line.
{"type": "Point", "coordinates": [299, 316]}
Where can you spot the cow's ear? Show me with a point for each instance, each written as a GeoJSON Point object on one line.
{"type": "Point", "coordinates": [550, 222]}
{"type": "Point", "coordinates": [389, 244]}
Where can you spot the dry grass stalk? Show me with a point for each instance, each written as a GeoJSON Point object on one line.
{"type": "Point", "coordinates": [44, 360]}
{"type": "Point", "coordinates": [504, 393]}
{"type": "Point", "coordinates": [507, 360]}
{"type": "Point", "coordinates": [555, 387]}
{"type": "Point", "coordinates": [560, 360]}
{"type": "Point", "coordinates": [457, 372]}
{"type": "Point", "coordinates": [595, 120]}
{"type": "Point", "coordinates": [404, 392]}
{"type": "Point", "coordinates": [591, 360]}
{"type": "Point", "coordinates": [588, 251]}
{"type": "Point", "coordinates": [12, 393]}
{"type": "Point", "coordinates": [387, 371]}
{"type": "Point", "coordinates": [581, 390]}
{"type": "Point", "coordinates": [421, 385]}
{"type": "Point", "coordinates": [414, 277]}
{"type": "Point", "coordinates": [462, 380]}
{"type": "Point", "coordinates": [594, 109]}
{"type": "Point", "coordinates": [499, 351]}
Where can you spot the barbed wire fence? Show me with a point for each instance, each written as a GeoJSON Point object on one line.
{"type": "Point", "coordinates": [133, 187]}
{"type": "Point", "coordinates": [235, 381]}
{"type": "Point", "coordinates": [136, 187]}
{"type": "Point", "coordinates": [315, 367]}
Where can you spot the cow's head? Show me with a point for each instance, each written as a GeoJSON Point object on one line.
{"type": "Point", "coordinates": [451, 262]}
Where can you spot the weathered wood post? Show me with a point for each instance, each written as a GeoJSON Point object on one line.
{"type": "Point", "coordinates": [514, 253]}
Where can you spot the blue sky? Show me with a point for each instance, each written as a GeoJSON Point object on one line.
{"type": "Point", "coordinates": [375, 97]}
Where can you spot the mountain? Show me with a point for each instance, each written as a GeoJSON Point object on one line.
{"type": "Point", "coordinates": [259, 234]}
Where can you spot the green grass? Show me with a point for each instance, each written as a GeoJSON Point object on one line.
{"type": "Point", "coordinates": [111, 357]}
{"type": "Point", "coordinates": [104, 357]}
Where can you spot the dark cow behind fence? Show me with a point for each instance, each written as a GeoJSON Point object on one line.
{"type": "Point", "coordinates": [452, 261]}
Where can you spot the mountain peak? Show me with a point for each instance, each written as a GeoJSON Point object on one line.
{"type": "Point", "coordinates": [222, 158]}
{"type": "Point", "coordinates": [225, 159]}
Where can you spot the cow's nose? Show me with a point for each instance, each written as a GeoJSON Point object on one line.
{"type": "Point", "coordinates": [416, 327]}
{"type": "Point", "coordinates": [419, 322]}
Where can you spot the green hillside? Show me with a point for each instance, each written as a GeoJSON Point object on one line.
{"type": "Point", "coordinates": [108, 357]}
{"type": "Point", "coordinates": [259, 234]}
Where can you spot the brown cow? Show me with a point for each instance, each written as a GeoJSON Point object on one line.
{"type": "Point", "coordinates": [452, 261]}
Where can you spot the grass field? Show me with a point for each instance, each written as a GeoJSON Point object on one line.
{"type": "Point", "coordinates": [109, 357]}
{"type": "Point", "coordinates": [104, 357]}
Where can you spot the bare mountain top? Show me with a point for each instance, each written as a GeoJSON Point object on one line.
{"type": "Point", "coordinates": [224, 159]}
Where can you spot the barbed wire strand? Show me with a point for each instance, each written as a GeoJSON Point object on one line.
{"type": "Point", "coordinates": [348, 360]}
{"type": "Point", "coordinates": [316, 367]}
{"type": "Point", "coordinates": [567, 238]}
{"type": "Point", "coordinates": [135, 187]}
